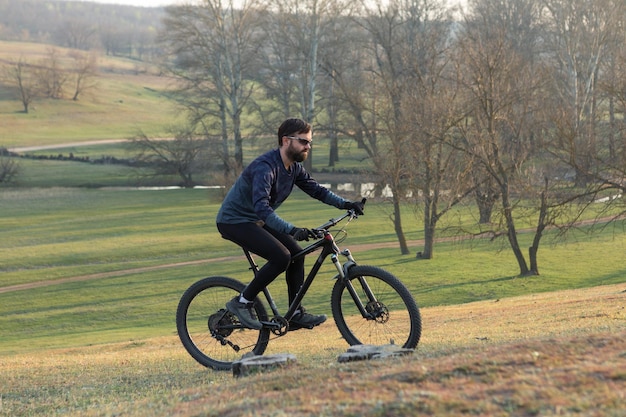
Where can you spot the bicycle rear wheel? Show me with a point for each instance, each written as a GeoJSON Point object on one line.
{"type": "Point", "coordinates": [390, 314]}
{"type": "Point", "coordinates": [212, 335]}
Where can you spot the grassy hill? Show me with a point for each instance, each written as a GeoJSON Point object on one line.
{"type": "Point", "coordinates": [558, 353]}
{"type": "Point", "coordinates": [129, 96]}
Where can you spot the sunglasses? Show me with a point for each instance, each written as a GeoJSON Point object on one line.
{"type": "Point", "coordinates": [302, 141]}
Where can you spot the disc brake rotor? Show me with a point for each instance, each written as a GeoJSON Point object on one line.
{"type": "Point", "coordinates": [378, 310]}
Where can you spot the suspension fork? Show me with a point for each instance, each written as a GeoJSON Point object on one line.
{"type": "Point", "coordinates": [343, 275]}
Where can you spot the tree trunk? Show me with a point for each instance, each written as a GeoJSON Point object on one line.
{"type": "Point", "coordinates": [512, 236]}
{"type": "Point", "coordinates": [429, 229]}
{"type": "Point", "coordinates": [429, 240]}
{"type": "Point", "coordinates": [238, 142]}
{"type": "Point", "coordinates": [224, 134]}
{"type": "Point", "coordinates": [485, 200]}
{"type": "Point", "coordinates": [397, 224]}
{"type": "Point", "coordinates": [542, 223]}
{"type": "Point", "coordinates": [333, 154]}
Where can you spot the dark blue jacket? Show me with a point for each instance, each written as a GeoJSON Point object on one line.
{"type": "Point", "coordinates": [263, 186]}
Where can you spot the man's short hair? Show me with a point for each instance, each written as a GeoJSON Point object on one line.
{"type": "Point", "coordinates": [292, 126]}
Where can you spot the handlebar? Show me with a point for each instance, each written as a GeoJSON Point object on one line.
{"type": "Point", "coordinates": [320, 230]}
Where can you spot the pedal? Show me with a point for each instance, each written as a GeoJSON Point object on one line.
{"type": "Point", "coordinates": [278, 325]}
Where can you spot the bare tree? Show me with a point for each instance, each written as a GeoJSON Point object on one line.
{"type": "Point", "coordinates": [613, 87]}
{"type": "Point", "coordinates": [9, 167]}
{"type": "Point", "coordinates": [215, 43]}
{"type": "Point", "coordinates": [84, 71]}
{"type": "Point", "coordinates": [519, 21]}
{"type": "Point", "coordinates": [580, 36]}
{"type": "Point", "coordinates": [115, 40]}
{"type": "Point", "coordinates": [278, 71]}
{"type": "Point", "coordinates": [51, 75]}
{"type": "Point", "coordinates": [509, 125]}
{"type": "Point", "coordinates": [357, 90]}
{"type": "Point", "coordinates": [439, 179]}
{"type": "Point", "coordinates": [21, 75]}
{"type": "Point", "coordinates": [407, 42]}
{"type": "Point", "coordinates": [299, 33]}
{"type": "Point", "coordinates": [383, 24]}
{"type": "Point", "coordinates": [185, 156]}
{"type": "Point", "coordinates": [486, 192]}
{"type": "Point", "coordinates": [500, 82]}
{"type": "Point", "coordinates": [76, 34]}
{"type": "Point", "coordinates": [609, 163]}
{"type": "Point", "coordinates": [339, 59]}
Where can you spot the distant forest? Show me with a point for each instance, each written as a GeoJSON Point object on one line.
{"type": "Point", "coordinates": [117, 30]}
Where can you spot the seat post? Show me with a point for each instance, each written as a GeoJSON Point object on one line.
{"type": "Point", "coordinates": [253, 266]}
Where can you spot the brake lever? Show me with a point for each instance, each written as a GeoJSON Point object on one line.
{"type": "Point", "coordinates": [353, 213]}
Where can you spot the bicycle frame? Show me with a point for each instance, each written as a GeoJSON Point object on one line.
{"type": "Point", "coordinates": [329, 248]}
{"type": "Point", "coordinates": [214, 336]}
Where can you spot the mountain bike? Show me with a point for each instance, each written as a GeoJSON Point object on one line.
{"type": "Point", "coordinates": [369, 306]}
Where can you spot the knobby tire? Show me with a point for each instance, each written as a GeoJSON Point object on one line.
{"type": "Point", "coordinates": [205, 302]}
{"type": "Point", "coordinates": [397, 320]}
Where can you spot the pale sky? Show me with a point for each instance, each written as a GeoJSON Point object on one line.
{"type": "Point", "coordinates": [158, 3]}
{"type": "Point", "coordinates": [144, 3]}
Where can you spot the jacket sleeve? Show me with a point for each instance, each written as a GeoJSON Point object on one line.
{"type": "Point", "coordinates": [307, 184]}
{"type": "Point", "coordinates": [262, 180]}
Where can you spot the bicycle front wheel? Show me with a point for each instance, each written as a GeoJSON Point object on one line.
{"type": "Point", "coordinates": [371, 306]}
{"type": "Point", "coordinates": [213, 336]}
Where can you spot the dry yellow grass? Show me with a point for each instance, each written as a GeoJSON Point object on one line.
{"type": "Point", "coordinates": [558, 353]}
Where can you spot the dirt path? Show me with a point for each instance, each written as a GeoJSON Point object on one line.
{"type": "Point", "coordinates": [66, 145]}
{"type": "Point", "coordinates": [122, 272]}
{"type": "Point", "coordinates": [110, 274]}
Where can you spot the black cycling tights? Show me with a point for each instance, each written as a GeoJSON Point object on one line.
{"type": "Point", "coordinates": [273, 246]}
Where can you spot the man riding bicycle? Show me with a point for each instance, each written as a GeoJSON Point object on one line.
{"type": "Point", "coordinates": [248, 218]}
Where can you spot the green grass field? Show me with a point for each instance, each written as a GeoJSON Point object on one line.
{"type": "Point", "coordinates": [60, 233]}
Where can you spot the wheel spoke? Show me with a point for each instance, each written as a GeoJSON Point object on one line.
{"type": "Point", "coordinates": [212, 335]}
{"type": "Point", "coordinates": [392, 315]}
